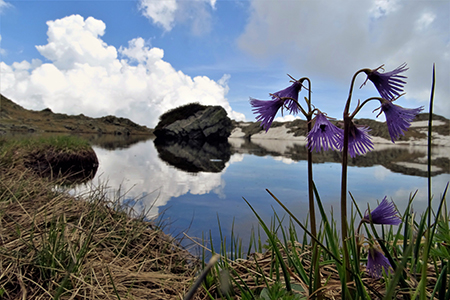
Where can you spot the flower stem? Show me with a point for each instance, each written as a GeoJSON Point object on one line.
{"type": "Point", "coordinates": [347, 122]}
{"type": "Point", "coordinates": [344, 230]}
{"type": "Point", "coordinates": [312, 213]}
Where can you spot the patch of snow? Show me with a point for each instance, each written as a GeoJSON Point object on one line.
{"type": "Point", "coordinates": [425, 123]}
{"type": "Point", "coordinates": [237, 133]}
{"type": "Point", "coordinates": [277, 133]}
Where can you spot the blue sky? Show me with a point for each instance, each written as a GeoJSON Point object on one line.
{"type": "Point", "coordinates": [137, 59]}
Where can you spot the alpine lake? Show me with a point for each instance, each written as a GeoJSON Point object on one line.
{"type": "Point", "coordinates": [198, 191]}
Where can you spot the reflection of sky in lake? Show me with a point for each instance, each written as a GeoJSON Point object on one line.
{"type": "Point", "coordinates": [195, 201]}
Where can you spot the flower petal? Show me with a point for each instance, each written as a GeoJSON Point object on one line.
{"type": "Point", "coordinates": [359, 142]}
{"type": "Point", "coordinates": [376, 262]}
{"type": "Point", "coordinates": [385, 213]}
{"type": "Point", "coordinates": [389, 84]}
{"type": "Point", "coordinates": [290, 92]}
{"type": "Point", "coordinates": [398, 119]}
{"type": "Point", "coordinates": [324, 134]}
{"type": "Point", "coordinates": [266, 110]}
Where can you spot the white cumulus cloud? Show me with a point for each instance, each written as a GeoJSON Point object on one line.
{"type": "Point", "coordinates": [83, 74]}
{"type": "Point", "coordinates": [73, 40]}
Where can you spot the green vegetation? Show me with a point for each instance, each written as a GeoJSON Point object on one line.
{"type": "Point", "coordinates": [286, 260]}
{"type": "Point", "coordinates": [60, 143]}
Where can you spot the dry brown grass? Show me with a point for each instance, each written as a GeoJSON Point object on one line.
{"type": "Point", "coordinates": [54, 245]}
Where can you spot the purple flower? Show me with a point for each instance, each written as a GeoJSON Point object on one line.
{"type": "Point", "coordinates": [385, 213]}
{"type": "Point", "coordinates": [376, 262]}
{"type": "Point", "coordinates": [266, 110]}
{"type": "Point", "coordinates": [398, 119]}
{"type": "Point", "coordinates": [290, 92]}
{"type": "Point", "coordinates": [324, 134]}
{"type": "Point", "coordinates": [359, 142]}
{"type": "Point", "coordinates": [389, 84]}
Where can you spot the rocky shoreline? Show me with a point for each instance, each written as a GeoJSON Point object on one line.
{"type": "Point", "coordinates": [417, 135]}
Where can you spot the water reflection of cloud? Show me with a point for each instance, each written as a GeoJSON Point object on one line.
{"type": "Point", "coordinates": [236, 158]}
{"type": "Point", "coordinates": [284, 160]}
{"type": "Point", "coordinates": [381, 173]}
{"type": "Point", "coordinates": [140, 172]}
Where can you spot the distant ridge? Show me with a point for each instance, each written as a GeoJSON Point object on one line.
{"type": "Point", "coordinates": [15, 118]}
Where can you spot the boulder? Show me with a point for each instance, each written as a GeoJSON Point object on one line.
{"type": "Point", "coordinates": [194, 122]}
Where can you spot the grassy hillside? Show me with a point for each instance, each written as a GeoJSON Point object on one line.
{"type": "Point", "coordinates": [15, 118]}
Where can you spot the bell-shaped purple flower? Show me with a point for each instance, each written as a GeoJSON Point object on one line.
{"type": "Point", "coordinates": [266, 110]}
{"type": "Point", "coordinates": [389, 84]}
{"type": "Point", "coordinates": [376, 262]}
{"type": "Point", "coordinates": [385, 213]}
{"type": "Point", "coordinates": [359, 142]}
{"type": "Point", "coordinates": [398, 119]}
{"type": "Point", "coordinates": [324, 134]}
{"type": "Point", "coordinates": [290, 92]}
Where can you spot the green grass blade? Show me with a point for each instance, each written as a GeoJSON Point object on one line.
{"type": "Point", "coordinates": [274, 245]}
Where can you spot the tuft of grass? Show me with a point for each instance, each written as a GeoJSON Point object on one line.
{"type": "Point", "coordinates": [65, 157]}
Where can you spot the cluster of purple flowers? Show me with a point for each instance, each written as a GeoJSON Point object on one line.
{"type": "Point", "coordinates": [325, 134]}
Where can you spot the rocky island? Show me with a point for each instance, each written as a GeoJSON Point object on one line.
{"type": "Point", "coordinates": [194, 122]}
{"type": "Point", "coordinates": [194, 138]}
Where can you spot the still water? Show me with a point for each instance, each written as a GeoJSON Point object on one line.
{"type": "Point", "coordinates": [191, 187]}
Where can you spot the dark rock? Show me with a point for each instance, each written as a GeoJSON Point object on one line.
{"type": "Point", "coordinates": [194, 122]}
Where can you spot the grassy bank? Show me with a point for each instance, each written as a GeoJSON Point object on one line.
{"type": "Point", "coordinates": [55, 246]}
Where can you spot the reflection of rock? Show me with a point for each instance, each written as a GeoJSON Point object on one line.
{"type": "Point", "coordinates": [194, 122]}
{"type": "Point", "coordinates": [195, 156]}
